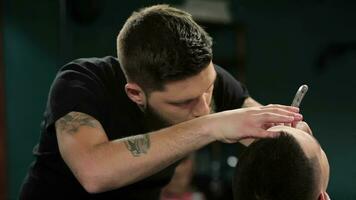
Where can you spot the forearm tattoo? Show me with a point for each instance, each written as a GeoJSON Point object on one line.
{"type": "Point", "coordinates": [71, 122]}
{"type": "Point", "coordinates": [138, 145]}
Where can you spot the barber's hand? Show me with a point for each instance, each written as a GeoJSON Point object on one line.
{"type": "Point", "coordinates": [234, 125]}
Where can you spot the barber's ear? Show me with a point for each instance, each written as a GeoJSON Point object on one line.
{"type": "Point", "coordinates": [135, 93]}
{"type": "Point", "coordinates": [324, 196]}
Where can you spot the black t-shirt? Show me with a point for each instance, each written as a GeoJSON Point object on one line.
{"type": "Point", "coordinates": [95, 86]}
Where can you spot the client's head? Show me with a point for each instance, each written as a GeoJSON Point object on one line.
{"type": "Point", "coordinates": [291, 166]}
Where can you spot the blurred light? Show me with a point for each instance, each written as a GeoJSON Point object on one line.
{"type": "Point", "coordinates": [232, 161]}
{"type": "Point", "coordinates": [215, 166]}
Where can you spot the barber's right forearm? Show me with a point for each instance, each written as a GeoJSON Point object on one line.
{"type": "Point", "coordinates": [170, 144]}
{"type": "Point", "coordinates": [101, 165]}
{"type": "Point", "coordinates": [165, 147]}
{"type": "Point", "coordinates": [114, 164]}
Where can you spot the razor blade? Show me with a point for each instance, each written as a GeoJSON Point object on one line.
{"type": "Point", "coordinates": [299, 95]}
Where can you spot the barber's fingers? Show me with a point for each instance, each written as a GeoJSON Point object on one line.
{"type": "Point", "coordinates": [282, 112]}
{"type": "Point", "coordinates": [269, 125]}
{"type": "Point", "coordinates": [294, 124]}
{"type": "Point", "coordinates": [288, 124]}
{"type": "Point", "coordinates": [284, 107]}
{"type": "Point", "coordinates": [262, 133]}
{"type": "Point", "coordinates": [271, 117]}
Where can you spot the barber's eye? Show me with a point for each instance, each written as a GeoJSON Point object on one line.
{"type": "Point", "coordinates": [185, 103]}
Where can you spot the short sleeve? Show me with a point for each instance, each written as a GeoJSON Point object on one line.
{"type": "Point", "coordinates": [75, 89]}
{"type": "Point", "coordinates": [229, 93]}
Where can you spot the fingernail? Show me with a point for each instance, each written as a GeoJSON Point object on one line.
{"type": "Point", "coordinates": [298, 116]}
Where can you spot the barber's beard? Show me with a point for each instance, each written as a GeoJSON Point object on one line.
{"type": "Point", "coordinates": [154, 121]}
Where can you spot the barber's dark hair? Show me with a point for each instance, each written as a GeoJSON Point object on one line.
{"type": "Point", "coordinates": [275, 169]}
{"type": "Point", "coordinates": [161, 44]}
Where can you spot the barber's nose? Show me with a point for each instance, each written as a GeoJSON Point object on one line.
{"type": "Point", "coordinates": [202, 106]}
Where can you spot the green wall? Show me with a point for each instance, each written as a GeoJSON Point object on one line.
{"type": "Point", "coordinates": [30, 61]}
{"type": "Point", "coordinates": [285, 40]}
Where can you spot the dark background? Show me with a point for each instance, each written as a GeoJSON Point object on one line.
{"type": "Point", "coordinates": [272, 46]}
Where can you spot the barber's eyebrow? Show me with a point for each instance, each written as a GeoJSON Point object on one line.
{"type": "Point", "coordinates": [182, 101]}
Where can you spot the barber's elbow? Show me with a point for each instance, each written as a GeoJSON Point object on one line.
{"type": "Point", "coordinates": [91, 184]}
{"type": "Point", "coordinates": [91, 187]}
{"type": "Point", "coordinates": [94, 181]}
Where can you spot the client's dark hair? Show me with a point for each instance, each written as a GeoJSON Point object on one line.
{"type": "Point", "coordinates": [161, 44]}
{"type": "Point", "coordinates": [275, 169]}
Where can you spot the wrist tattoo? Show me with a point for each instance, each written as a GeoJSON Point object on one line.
{"type": "Point", "coordinates": [74, 120]}
{"type": "Point", "coordinates": [138, 145]}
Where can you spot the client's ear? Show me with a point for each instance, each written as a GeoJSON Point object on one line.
{"type": "Point", "coordinates": [324, 196]}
